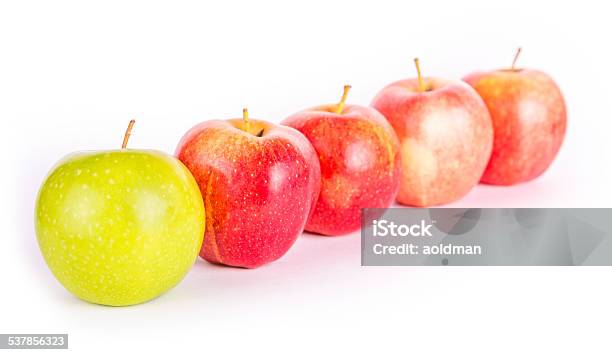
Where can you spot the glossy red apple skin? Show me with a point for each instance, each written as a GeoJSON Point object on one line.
{"type": "Point", "coordinates": [445, 135]}
{"type": "Point", "coordinates": [359, 157]}
{"type": "Point", "coordinates": [258, 191]}
{"type": "Point", "coordinates": [529, 120]}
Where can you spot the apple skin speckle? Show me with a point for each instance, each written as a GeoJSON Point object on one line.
{"type": "Point", "coordinates": [259, 188]}
{"type": "Point", "coordinates": [119, 227]}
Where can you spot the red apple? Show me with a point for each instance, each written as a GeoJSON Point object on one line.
{"type": "Point", "coordinates": [445, 134]}
{"type": "Point", "coordinates": [259, 182]}
{"type": "Point", "coordinates": [529, 121]}
{"type": "Point", "coordinates": [359, 157]}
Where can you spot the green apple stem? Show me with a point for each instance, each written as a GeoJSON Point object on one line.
{"type": "Point", "coordinates": [245, 119]}
{"type": "Point", "coordinates": [518, 52]}
{"type": "Point", "coordinates": [420, 77]}
{"type": "Point", "coordinates": [340, 105]}
{"type": "Point", "coordinates": [127, 134]}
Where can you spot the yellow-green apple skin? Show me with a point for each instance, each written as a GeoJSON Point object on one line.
{"type": "Point", "coordinates": [119, 227]}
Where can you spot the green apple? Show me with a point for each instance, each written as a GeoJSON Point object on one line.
{"type": "Point", "coordinates": [119, 227]}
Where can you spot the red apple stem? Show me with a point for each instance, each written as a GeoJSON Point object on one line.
{"type": "Point", "coordinates": [518, 52]}
{"type": "Point", "coordinates": [128, 133]}
{"type": "Point", "coordinates": [245, 119]}
{"type": "Point", "coordinates": [420, 77]}
{"type": "Point", "coordinates": [340, 105]}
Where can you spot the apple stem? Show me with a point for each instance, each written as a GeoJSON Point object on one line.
{"type": "Point", "coordinates": [245, 119]}
{"type": "Point", "coordinates": [420, 77]}
{"type": "Point", "coordinates": [518, 52]}
{"type": "Point", "coordinates": [340, 105]}
{"type": "Point", "coordinates": [127, 134]}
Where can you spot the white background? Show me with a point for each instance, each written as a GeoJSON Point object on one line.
{"type": "Point", "coordinates": [73, 73]}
